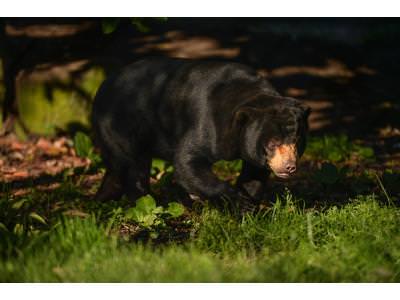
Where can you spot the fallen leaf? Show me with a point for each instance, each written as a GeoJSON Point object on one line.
{"type": "Point", "coordinates": [17, 146]}
{"type": "Point", "coordinates": [9, 170]}
{"type": "Point", "coordinates": [17, 156]}
{"type": "Point", "coordinates": [43, 144]}
{"type": "Point", "coordinates": [21, 174]}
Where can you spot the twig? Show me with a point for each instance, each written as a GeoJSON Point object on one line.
{"type": "Point", "coordinates": [309, 230]}
{"type": "Point", "coordinates": [383, 189]}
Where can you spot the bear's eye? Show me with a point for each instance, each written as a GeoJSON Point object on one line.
{"type": "Point", "coordinates": [272, 144]}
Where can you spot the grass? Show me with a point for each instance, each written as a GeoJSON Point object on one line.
{"type": "Point", "coordinates": [63, 236]}
{"type": "Point", "coordinates": [357, 242]}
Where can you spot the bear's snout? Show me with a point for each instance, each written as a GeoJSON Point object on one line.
{"type": "Point", "coordinates": [284, 160]}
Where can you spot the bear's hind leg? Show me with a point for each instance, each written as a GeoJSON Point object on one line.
{"type": "Point", "coordinates": [110, 188]}
{"type": "Point", "coordinates": [136, 180]}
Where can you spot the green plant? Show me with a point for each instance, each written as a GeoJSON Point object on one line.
{"type": "Point", "coordinates": [227, 170]}
{"type": "Point", "coordinates": [162, 173]}
{"type": "Point", "coordinates": [336, 148]}
{"type": "Point", "coordinates": [84, 147]}
{"type": "Point", "coordinates": [148, 215]}
{"type": "Point", "coordinates": [160, 166]}
{"type": "Point", "coordinates": [19, 222]}
{"type": "Point", "coordinates": [109, 25]}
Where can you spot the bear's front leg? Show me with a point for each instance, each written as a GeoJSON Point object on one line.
{"type": "Point", "coordinates": [253, 180]}
{"type": "Point", "coordinates": [194, 173]}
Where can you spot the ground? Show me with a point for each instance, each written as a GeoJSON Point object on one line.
{"type": "Point", "coordinates": [337, 220]}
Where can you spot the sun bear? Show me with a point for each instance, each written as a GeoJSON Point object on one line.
{"type": "Point", "coordinates": [194, 113]}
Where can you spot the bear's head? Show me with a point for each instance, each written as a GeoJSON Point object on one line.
{"type": "Point", "coordinates": [273, 133]}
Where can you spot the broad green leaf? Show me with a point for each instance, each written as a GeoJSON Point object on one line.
{"type": "Point", "coordinates": [135, 215]}
{"type": "Point", "coordinates": [145, 211]}
{"type": "Point", "coordinates": [3, 227]}
{"type": "Point", "coordinates": [158, 210]}
{"type": "Point", "coordinates": [146, 204]}
{"type": "Point", "coordinates": [129, 212]}
{"type": "Point", "coordinates": [158, 164]}
{"type": "Point", "coordinates": [83, 145]}
{"type": "Point", "coordinates": [18, 229]}
{"type": "Point", "coordinates": [365, 152]}
{"type": "Point", "coordinates": [175, 209]}
{"type": "Point", "coordinates": [231, 166]}
{"type": "Point", "coordinates": [141, 217]}
{"type": "Point", "coordinates": [94, 158]}
{"type": "Point", "coordinates": [148, 220]}
{"type": "Point", "coordinates": [19, 203]}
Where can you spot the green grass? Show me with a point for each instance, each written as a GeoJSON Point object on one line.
{"type": "Point", "coordinates": [357, 242]}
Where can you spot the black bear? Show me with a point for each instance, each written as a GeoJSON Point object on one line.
{"type": "Point", "coordinates": [194, 113]}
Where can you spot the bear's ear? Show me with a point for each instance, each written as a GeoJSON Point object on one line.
{"type": "Point", "coordinates": [298, 103]}
{"type": "Point", "coordinates": [244, 114]}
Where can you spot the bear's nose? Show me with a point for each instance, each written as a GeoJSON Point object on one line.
{"type": "Point", "coordinates": [291, 168]}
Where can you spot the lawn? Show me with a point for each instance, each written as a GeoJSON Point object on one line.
{"type": "Point", "coordinates": [336, 222]}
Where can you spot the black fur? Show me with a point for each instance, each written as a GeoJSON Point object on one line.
{"type": "Point", "coordinates": [192, 113]}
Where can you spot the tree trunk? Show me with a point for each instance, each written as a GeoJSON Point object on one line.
{"type": "Point", "coordinates": [10, 69]}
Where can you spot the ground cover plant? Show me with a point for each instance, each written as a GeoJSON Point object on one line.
{"type": "Point", "coordinates": [62, 235]}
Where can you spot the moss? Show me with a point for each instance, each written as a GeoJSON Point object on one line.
{"type": "Point", "coordinates": [47, 107]}
{"type": "Point", "coordinates": [90, 81]}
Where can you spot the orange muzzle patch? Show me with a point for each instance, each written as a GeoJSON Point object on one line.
{"type": "Point", "coordinates": [282, 156]}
